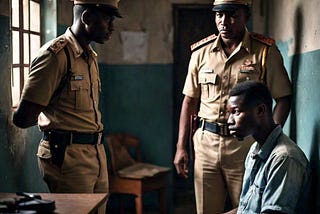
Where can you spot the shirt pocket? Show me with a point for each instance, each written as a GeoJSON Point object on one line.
{"type": "Point", "coordinates": [254, 198]}
{"type": "Point", "coordinates": [209, 86]}
{"type": "Point", "coordinates": [248, 72]}
{"type": "Point", "coordinates": [81, 95]}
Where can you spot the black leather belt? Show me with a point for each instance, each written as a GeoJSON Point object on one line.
{"type": "Point", "coordinates": [220, 129]}
{"type": "Point", "coordinates": [73, 137]}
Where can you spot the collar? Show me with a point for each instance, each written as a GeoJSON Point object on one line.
{"type": "Point", "coordinates": [245, 43]}
{"type": "Point", "coordinates": [75, 46]}
{"type": "Point", "coordinates": [268, 145]}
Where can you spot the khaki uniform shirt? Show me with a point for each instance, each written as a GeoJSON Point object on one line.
{"type": "Point", "coordinates": [76, 108]}
{"type": "Point", "coordinates": [211, 74]}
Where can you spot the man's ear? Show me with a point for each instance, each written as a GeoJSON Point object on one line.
{"type": "Point", "coordinates": [85, 17]}
{"type": "Point", "coordinates": [261, 109]}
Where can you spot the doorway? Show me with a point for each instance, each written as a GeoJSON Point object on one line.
{"type": "Point", "coordinates": [192, 22]}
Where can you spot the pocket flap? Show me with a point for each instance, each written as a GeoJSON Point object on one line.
{"type": "Point", "coordinates": [78, 85]}
{"type": "Point", "coordinates": [207, 78]}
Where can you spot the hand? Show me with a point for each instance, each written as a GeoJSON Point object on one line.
{"type": "Point", "coordinates": [181, 162]}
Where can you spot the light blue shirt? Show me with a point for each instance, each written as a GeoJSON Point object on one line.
{"type": "Point", "coordinates": [277, 177]}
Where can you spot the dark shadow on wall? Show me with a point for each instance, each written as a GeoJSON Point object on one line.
{"type": "Point", "coordinates": [295, 67]}
{"type": "Point", "coordinates": [315, 167]}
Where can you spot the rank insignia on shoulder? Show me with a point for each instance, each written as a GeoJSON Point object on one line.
{"type": "Point", "coordinates": [263, 39]}
{"type": "Point", "coordinates": [58, 44]}
{"type": "Point", "coordinates": [202, 42]}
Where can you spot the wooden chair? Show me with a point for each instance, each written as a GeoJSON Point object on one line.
{"type": "Point", "coordinates": [129, 175]}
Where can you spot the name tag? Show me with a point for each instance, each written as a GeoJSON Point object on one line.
{"type": "Point", "coordinates": [246, 69]}
{"type": "Point", "coordinates": [78, 77]}
{"type": "Point", "coordinates": [206, 70]}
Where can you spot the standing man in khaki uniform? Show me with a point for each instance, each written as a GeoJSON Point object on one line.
{"type": "Point", "coordinates": [61, 95]}
{"type": "Point", "coordinates": [217, 63]}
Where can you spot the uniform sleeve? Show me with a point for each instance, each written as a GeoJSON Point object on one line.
{"type": "Point", "coordinates": [45, 74]}
{"type": "Point", "coordinates": [284, 185]}
{"type": "Point", "coordinates": [277, 77]}
{"type": "Point", "coordinates": [191, 86]}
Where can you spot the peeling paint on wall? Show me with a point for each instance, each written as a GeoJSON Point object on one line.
{"type": "Point", "coordinates": [295, 22]}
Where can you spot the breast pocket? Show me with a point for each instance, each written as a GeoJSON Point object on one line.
{"type": "Point", "coordinates": [209, 86]}
{"type": "Point", "coordinates": [81, 95]}
{"type": "Point", "coordinates": [248, 72]}
{"type": "Point", "coordinates": [254, 198]}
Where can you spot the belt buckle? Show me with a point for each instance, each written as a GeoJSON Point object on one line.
{"type": "Point", "coordinates": [200, 125]}
{"type": "Point", "coordinates": [99, 137]}
{"type": "Point", "coordinates": [223, 130]}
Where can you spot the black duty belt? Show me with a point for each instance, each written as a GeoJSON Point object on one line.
{"type": "Point", "coordinates": [217, 128]}
{"type": "Point", "coordinates": [73, 137]}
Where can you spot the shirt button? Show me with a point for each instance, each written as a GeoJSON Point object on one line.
{"type": "Point", "coordinates": [248, 78]}
{"type": "Point", "coordinates": [225, 77]}
{"type": "Point", "coordinates": [221, 112]}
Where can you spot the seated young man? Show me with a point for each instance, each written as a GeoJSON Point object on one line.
{"type": "Point", "coordinates": [277, 173]}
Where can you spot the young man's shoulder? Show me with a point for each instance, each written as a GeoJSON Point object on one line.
{"type": "Point", "coordinates": [263, 39]}
{"type": "Point", "coordinates": [203, 42]}
{"type": "Point", "coordinates": [286, 147]}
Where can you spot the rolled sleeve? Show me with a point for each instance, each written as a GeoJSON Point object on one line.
{"type": "Point", "coordinates": [284, 186]}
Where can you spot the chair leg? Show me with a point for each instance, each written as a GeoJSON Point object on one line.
{"type": "Point", "coordinates": [139, 205]}
{"type": "Point", "coordinates": [162, 200]}
{"type": "Point", "coordinates": [121, 207]}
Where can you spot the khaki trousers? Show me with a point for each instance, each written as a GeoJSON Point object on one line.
{"type": "Point", "coordinates": [84, 169]}
{"type": "Point", "coordinates": [218, 170]}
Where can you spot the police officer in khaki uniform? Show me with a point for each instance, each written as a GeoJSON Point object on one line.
{"type": "Point", "coordinates": [217, 63]}
{"type": "Point", "coordinates": [61, 95]}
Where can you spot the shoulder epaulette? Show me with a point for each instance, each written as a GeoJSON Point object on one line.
{"type": "Point", "coordinates": [263, 39]}
{"type": "Point", "coordinates": [202, 42]}
{"type": "Point", "coordinates": [58, 44]}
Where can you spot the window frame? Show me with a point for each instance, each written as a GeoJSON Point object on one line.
{"type": "Point", "coordinates": [20, 29]}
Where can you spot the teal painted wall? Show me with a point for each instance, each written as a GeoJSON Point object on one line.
{"type": "Point", "coordinates": [304, 122]}
{"type": "Point", "coordinates": [138, 99]}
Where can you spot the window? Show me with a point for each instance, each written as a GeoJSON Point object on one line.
{"type": "Point", "coordinates": [26, 40]}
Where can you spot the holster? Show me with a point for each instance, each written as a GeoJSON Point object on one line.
{"type": "Point", "coordinates": [58, 142]}
{"type": "Point", "coordinates": [194, 124]}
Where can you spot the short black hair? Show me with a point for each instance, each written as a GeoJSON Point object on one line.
{"type": "Point", "coordinates": [253, 93]}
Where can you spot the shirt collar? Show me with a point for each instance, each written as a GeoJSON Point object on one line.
{"type": "Point", "coordinates": [264, 151]}
{"type": "Point", "coordinates": [75, 46]}
{"type": "Point", "coordinates": [245, 43]}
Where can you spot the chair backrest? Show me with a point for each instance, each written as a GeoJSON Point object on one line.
{"type": "Point", "coordinates": [119, 146]}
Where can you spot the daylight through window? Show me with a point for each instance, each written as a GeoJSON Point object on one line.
{"type": "Point", "coordinates": [26, 40]}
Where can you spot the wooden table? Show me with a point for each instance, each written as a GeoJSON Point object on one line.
{"type": "Point", "coordinates": [70, 203]}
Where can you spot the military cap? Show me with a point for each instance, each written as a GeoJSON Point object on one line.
{"type": "Point", "coordinates": [229, 5]}
{"type": "Point", "coordinates": [112, 4]}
